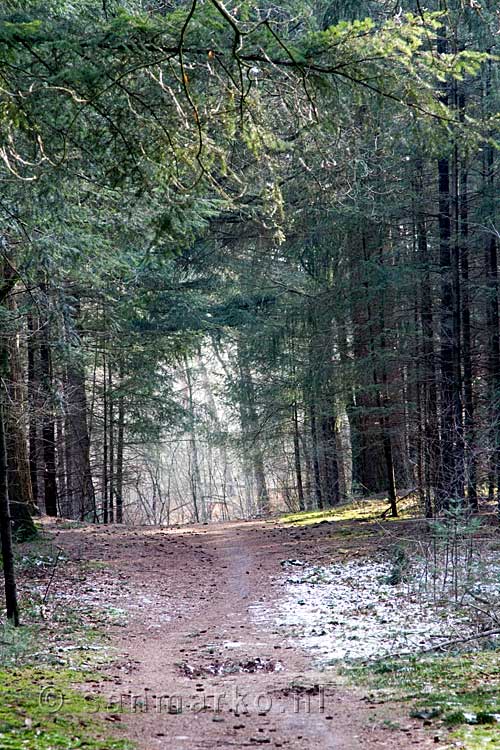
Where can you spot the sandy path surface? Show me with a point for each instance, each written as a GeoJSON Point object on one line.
{"type": "Point", "coordinates": [199, 662]}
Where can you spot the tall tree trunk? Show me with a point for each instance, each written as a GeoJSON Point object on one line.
{"type": "Point", "coordinates": [315, 454]}
{"type": "Point", "coordinates": [381, 385]}
{"type": "Point", "coordinates": [119, 450]}
{"type": "Point", "coordinates": [196, 483]}
{"type": "Point", "coordinates": [33, 405]}
{"type": "Point", "coordinates": [105, 512]}
{"type": "Point", "coordinates": [492, 315]}
{"type": "Point", "coordinates": [297, 461]}
{"type": "Point", "coordinates": [48, 427]}
{"type": "Point", "coordinates": [447, 333]}
{"type": "Point", "coordinates": [21, 506]}
{"type": "Point", "coordinates": [430, 436]}
{"type": "Point", "coordinates": [469, 425]}
{"type": "Point", "coordinates": [382, 405]}
{"type": "Point", "coordinates": [459, 454]}
{"type": "Point", "coordinates": [331, 492]}
{"type": "Point", "coordinates": [451, 471]}
{"type": "Point", "coordinates": [80, 484]}
{"type": "Point", "coordinates": [8, 281]}
{"type": "Point", "coordinates": [5, 526]}
{"type": "Point", "coordinates": [62, 468]}
{"type": "Point", "coordinates": [19, 480]}
{"type": "Point", "coordinates": [111, 445]}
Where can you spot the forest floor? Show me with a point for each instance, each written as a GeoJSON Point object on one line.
{"type": "Point", "coordinates": [197, 654]}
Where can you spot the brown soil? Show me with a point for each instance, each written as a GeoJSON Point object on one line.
{"type": "Point", "coordinates": [198, 664]}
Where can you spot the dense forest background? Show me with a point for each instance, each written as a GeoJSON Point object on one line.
{"type": "Point", "coordinates": [249, 256]}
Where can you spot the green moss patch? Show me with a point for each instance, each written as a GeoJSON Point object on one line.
{"type": "Point", "coordinates": [41, 710]}
{"type": "Point", "coordinates": [47, 665]}
{"type": "Point", "coordinates": [358, 510]}
{"type": "Point", "coordinates": [461, 691]}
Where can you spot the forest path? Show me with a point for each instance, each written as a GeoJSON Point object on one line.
{"type": "Point", "coordinates": [195, 635]}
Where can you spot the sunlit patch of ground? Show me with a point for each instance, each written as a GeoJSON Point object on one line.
{"type": "Point", "coordinates": [367, 509]}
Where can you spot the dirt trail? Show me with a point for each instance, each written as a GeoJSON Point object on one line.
{"type": "Point", "coordinates": [198, 661]}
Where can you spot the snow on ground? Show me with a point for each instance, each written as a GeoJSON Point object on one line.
{"type": "Point", "coordinates": [351, 611]}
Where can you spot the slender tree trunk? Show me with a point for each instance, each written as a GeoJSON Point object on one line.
{"type": "Point", "coordinates": [492, 317]}
{"type": "Point", "coordinates": [381, 389]}
{"type": "Point", "coordinates": [48, 429]}
{"type": "Point", "coordinates": [315, 454]}
{"type": "Point", "coordinates": [430, 437]}
{"type": "Point", "coordinates": [196, 483]}
{"type": "Point", "coordinates": [447, 334]}
{"type": "Point", "coordinates": [33, 403]}
{"type": "Point", "coordinates": [6, 529]}
{"type": "Point", "coordinates": [8, 281]}
{"type": "Point", "coordinates": [71, 504]}
{"type": "Point", "coordinates": [387, 447]}
{"type": "Point", "coordinates": [469, 425]}
{"type": "Point", "coordinates": [62, 468]}
{"type": "Point", "coordinates": [459, 453]}
{"type": "Point", "coordinates": [391, 477]}
{"type": "Point", "coordinates": [111, 445]}
{"type": "Point", "coordinates": [331, 493]}
{"type": "Point", "coordinates": [296, 453]}
{"type": "Point", "coordinates": [451, 472]}
{"type": "Point", "coordinates": [105, 513]}
{"type": "Point", "coordinates": [119, 451]}
{"type": "Point", "coordinates": [77, 428]}
{"type": "Point", "coordinates": [19, 480]}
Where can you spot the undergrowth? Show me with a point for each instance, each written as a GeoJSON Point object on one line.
{"type": "Point", "coordinates": [460, 692]}
{"type": "Point", "coordinates": [45, 664]}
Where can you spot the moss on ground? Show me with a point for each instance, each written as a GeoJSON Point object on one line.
{"type": "Point", "coordinates": [461, 692]}
{"type": "Point", "coordinates": [46, 664]}
{"type": "Point", "coordinates": [358, 510]}
{"type": "Point", "coordinates": [41, 710]}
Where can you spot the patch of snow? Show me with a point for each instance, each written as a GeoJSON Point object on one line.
{"type": "Point", "coordinates": [351, 611]}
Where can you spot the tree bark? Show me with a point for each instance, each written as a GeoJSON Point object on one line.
{"type": "Point", "coordinates": [78, 442]}
{"type": "Point", "coordinates": [492, 318]}
{"type": "Point", "coordinates": [297, 461]}
{"type": "Point", "coordinates": [315, 454]}
{"type": "Point", "coordinates": [33, 403]}
{"type": "Point", "coordinates": [119, 451]}
{"type": "Point", "coordinates": [5, 518]}
{"type": "Point", "coordinates": [469, 423]}
{"type": "Point", "coordinates": [447, 333]}
{"type": "Point", "coordinates": [20, 491]}
{"type": "Point", "coordinates": [105, 511]}
{"type": "Point", "coordinates": [111, 428]}
{"type": "Point", "coordinates": [331, 492]}
{"type": "Point", "coordinates": [430, 433]}
{"type": "Point", "coordinates": [48, 428]}
{"type": "Point", "coordinates": [6, 530]}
